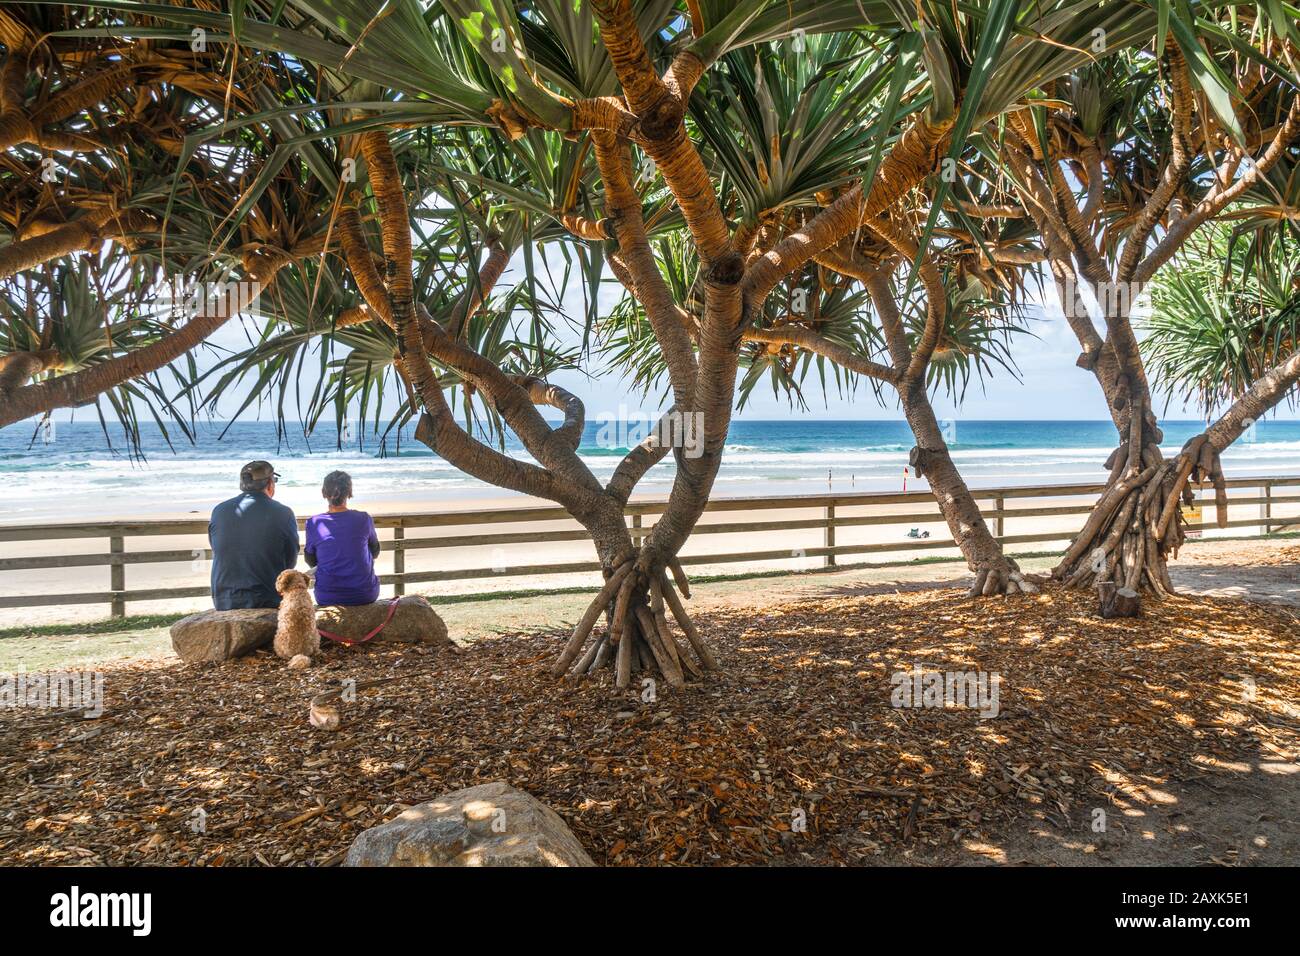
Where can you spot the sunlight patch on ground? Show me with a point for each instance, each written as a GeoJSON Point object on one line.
{"type": "Point", "coordinates": [993, 854]}
{"type": "Point", "coordinates": [1279, 768]}
{"type": "Point", "coordinates": [1206, 760]}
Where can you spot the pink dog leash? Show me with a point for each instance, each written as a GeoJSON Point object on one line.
{"type": "Point", "coordinates": [392, 609]}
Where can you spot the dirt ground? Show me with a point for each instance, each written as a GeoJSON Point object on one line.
{"type": "Point", "coordinates": [1244, 816]}
{"type": "Point", "coordinates": [1172, 739]}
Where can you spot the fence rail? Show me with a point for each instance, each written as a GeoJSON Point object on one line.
{"type": "Point", "coordinates": [830, 513]}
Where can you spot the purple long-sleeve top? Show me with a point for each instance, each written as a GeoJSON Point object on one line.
{"type": "Point", "coordinates": [343, 545]}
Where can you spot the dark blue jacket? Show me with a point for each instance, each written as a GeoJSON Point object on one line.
{"type": "Point", "coordinates": [253, 539]}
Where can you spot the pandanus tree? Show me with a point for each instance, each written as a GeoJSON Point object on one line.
{"type": "Point", "coordinates": [782, 136]}
{"type": "Point", "coordinates": [785, 124]}
{"type": "Point", "coordinates": [618, 81]}
{"type": "Point", "coordinates": [941, 337]}
{"type": "Point", "coordinates": [104, 178]}
{"type": "Point", "coordinates": [1119, 166]}
{"type": "Point", "coordinates": [1224, 328]}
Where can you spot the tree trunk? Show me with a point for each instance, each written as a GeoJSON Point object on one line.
{"type": "Point", "coordinates": [995, 573]}
{"type": "Point", "coordinates": [639, 593]}
{"type": "Point", "coordinates": [1115, 601]}
{"type": "Point", "coordinates": [1135, 525]}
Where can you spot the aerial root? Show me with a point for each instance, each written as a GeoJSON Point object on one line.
{"type": "Point", "coordinates": [638, 638]}
{"type": "Point", "coordinates": [1003, 577]}
{"type": "Point", "coordinates": [1136, 526]}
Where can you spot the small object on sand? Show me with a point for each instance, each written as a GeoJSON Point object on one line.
{"type": "Point", "coordinates": [323, 711]}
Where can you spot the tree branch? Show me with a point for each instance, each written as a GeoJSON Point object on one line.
{"type": "Point", "coordinates": [1171, 178]}
{"type": "Point", "coordinates": [575, 414]}
{"type": "Point", "coordinates": [936, 296]}
{"type": "Point", "coordinates": [1218, 198]}
{"type": "Point", "coordinates": [660, 108]}
{"type": "Point", "coordinates": [808, 339]}
{"type": "Point", "coordinates": [1264, 393]}
{"type": "Point", "coordinates": [623, 207]}
{"type": "Point", "coordinates": [80, 235]}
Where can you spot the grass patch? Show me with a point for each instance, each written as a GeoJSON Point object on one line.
{"type": "Point", "coordinates": [109, 625]}
{"type": "Point", "coordinates": [82, 651]}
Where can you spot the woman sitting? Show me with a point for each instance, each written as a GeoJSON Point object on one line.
{"type": "Point", "coordinates": [342, 547]}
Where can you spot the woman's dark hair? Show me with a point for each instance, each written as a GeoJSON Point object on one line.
{"type": "Point", "coordinates": [337, 487]}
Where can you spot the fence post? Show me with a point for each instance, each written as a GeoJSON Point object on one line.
{"type": "Point", "coordinates": [830, 535]}
{"type": "Point", "coordinates": [399, 558]}
{"type": "Point", "coordinates": [1266, 506]}
{"type": "Point", "coordinates": [999, 503]}
{"type": "Point", "coordinates": [636, 523]}
{"type": "Point", "coordinates": [117, 575]}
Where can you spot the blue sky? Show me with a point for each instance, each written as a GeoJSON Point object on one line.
{"type": "Point", "coordinates": [1050, 385]}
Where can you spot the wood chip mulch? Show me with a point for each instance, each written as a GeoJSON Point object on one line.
{"type": "Point", "coordinates": [799, 727]}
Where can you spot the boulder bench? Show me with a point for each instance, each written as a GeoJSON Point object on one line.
{"type": "Point", "coordinates": [224, 635]}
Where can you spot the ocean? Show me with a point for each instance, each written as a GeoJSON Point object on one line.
{"type": "Point", "coordinates": [73, 473]}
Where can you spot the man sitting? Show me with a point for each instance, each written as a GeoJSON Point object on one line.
{"type": "Point", "coordinates": [253, 539]}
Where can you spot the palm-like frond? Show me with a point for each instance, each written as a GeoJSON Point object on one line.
{"type": "Point", "coordinates": [791, 120]}
{"type": "Point", "coordinates": [1222, 314]}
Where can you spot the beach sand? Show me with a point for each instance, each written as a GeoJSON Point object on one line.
{"type": "Point", "coordinates": [506, 566]}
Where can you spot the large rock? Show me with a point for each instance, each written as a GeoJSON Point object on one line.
{"type": "Point", "coordinates": [490, 825]}
{"type": "Point", "coordinates": [414, 621]}
{"type": "Point", "coordinates": [221, 635]}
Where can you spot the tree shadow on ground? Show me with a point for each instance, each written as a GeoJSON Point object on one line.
{"type": "Point", "coordinates": [795, 754]}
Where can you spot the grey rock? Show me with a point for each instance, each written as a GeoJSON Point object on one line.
{"type": "Point", "coordinates": [222, 635]}
{"type": "Point", "coordinates": [413, 622]}
{"type": "Point", "coordinates": [493, 824]}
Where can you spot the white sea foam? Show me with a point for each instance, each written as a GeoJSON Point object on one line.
{"type": "Point", "coordinates": [76, 478]}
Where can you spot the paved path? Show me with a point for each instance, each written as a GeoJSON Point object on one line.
{"type": "Point", "coordinates": [1256, 570]}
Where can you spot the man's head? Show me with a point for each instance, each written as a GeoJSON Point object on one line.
{"type": "Point", "coordinates": [258, 477]}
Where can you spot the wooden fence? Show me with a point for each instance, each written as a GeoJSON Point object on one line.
{"type": "Point", "coordinates": [818, 518]}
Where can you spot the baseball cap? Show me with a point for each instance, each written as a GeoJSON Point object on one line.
{"type": "Point", "coordinates": [258, 471]}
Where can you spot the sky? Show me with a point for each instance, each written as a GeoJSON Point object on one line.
{"type": "Point", "coordinates": [1050, 386]}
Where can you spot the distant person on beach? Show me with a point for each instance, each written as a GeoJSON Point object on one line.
{"type": "Point", "coordinates": [342, 546]}
{"type": "Point", "coordinates": [253, 539]}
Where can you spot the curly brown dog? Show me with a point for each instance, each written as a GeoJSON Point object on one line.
{"type": "Point", "coordinates": [296, 636]}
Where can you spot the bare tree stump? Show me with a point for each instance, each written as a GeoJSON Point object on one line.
{"type": "Point", "coordinates": [1114, 601]}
